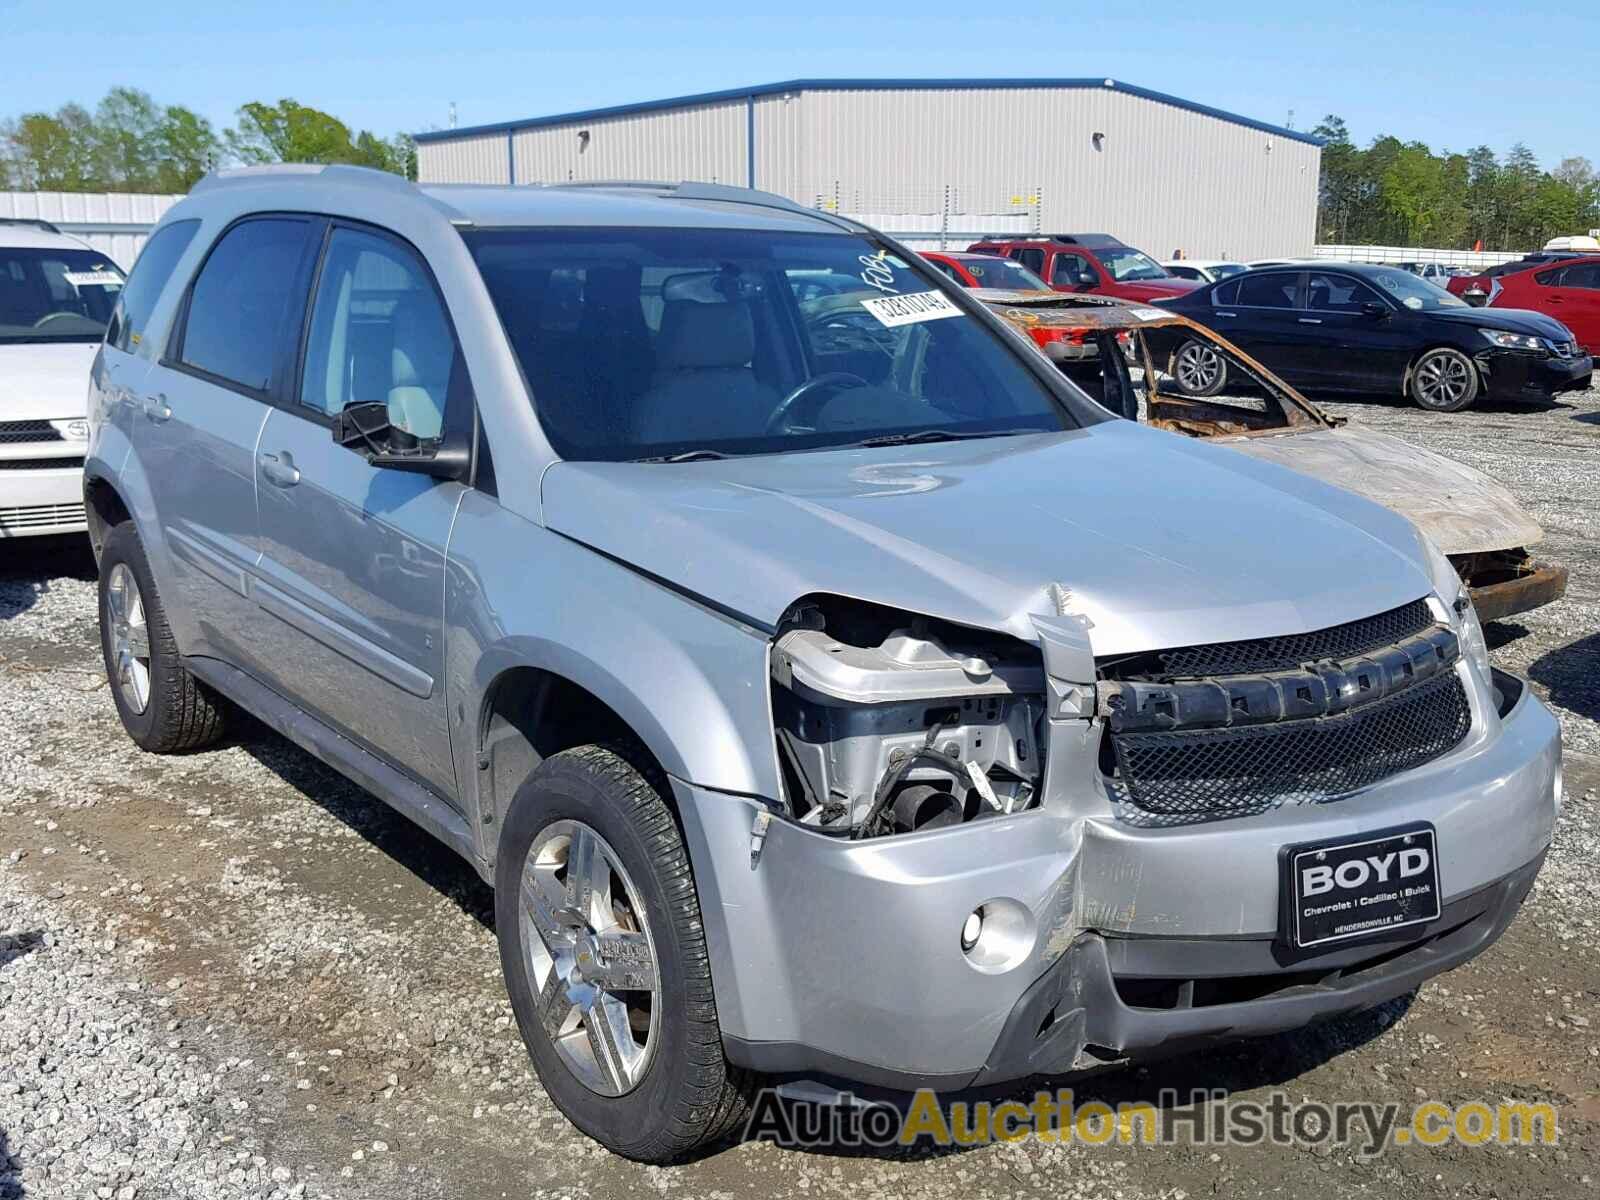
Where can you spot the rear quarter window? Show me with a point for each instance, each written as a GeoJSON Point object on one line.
{"type": "Point", "coordinates": [157, 261]}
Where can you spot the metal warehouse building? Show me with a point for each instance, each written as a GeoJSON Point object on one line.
{"type": "Point", "coordinates": [940, 160]}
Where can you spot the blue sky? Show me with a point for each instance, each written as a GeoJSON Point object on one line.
{"type": "Point", "coordinates": [1451, 75]}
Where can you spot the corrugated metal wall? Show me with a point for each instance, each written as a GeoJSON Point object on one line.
{"type": "Point", "coordinates": [704, 142]}
{"type": "Point", "coordinates": [481, 158]}
{"type": "Point", "coordinates": [114, 223]}
{"type": "Point", "coordinates": [1160, 176]}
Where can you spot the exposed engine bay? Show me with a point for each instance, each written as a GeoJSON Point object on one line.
{"type": "Point", "coordinates": [891, 723]}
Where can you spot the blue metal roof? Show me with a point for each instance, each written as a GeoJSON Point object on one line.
{"type": "Point", "coordinates": [858, 85]}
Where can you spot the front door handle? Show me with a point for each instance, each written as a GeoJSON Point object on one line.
{"type": "Point", "coordinates": [1311, 320]}
{"type": "Point", "coordinates": [279, 469]}
{"type": "Point", "coordinates": [1225, 314]}
{"type": "Point", "coordinates": [157, 409]}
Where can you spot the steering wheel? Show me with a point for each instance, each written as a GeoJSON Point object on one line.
{"type": "Point", "coordinates": [54, 316]}
{"type": "Point", "coordinates": [828, 379]}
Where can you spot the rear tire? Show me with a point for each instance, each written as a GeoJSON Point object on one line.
{"type": "Point", "coordinates": [165, 709]}
{"type": "Point", "coordinates": [652, 1101]}
{"type": "Point", "coordinates": [1198, 369]}
{"type": "Point", "coordinates": [1443, 380]}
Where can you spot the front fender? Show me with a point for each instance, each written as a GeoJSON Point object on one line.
{"type": "Point", "coordinates": [691, 683]}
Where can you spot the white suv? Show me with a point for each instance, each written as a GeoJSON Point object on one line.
{"type": "Point", "coordinates": [56, 296]}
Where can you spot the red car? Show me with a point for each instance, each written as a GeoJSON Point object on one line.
{"type": "Point", "coordinates": [1568, 290]}
{"type": "Point", "coordinates": [1091, 262]}
{"type": "Point", "coordinates": [986, 271]}
{"type": "Point", "coordinates": [1476, 289]}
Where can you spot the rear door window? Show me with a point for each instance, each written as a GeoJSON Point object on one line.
{"type": "Point", "coordinates": [243, 300]}
{"type": "Point", "coordinates": [1275, 290]}
{"type": "Point", "coordinates": [1032, 259]}
{"type": "Point", "coordinates": [151, 272]}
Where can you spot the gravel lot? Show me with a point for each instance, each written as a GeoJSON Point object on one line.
{"type": "Point", "coordinates": [234, 974]}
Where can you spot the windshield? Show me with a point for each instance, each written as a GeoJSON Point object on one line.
{"type": "Point", "coordinates": [55, 295]}
{"type": "Point", "coordinates": [1004, 273]}
{"type": "Point", "coordinates": [1419, 295]}
{"type": "Point", "coordinates": [1125, 263]}
{"type": "Point", "coordinates": [651, 343]}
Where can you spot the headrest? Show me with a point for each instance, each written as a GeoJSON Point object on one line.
{"type": "Point", "coordinates": [705, 335]}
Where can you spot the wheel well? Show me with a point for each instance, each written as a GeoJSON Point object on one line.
{"type": "Point", "coordinates": [530, 714]}
{"type": "Point", "coordinates": [103, 509]}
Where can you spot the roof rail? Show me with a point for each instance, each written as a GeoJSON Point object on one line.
{"type": "Point", "coordinates": [727, 193]}
{"type": "Point", "coordinates": [647, 185]}
{"type": "Point", "coordinates": [332, 172]}
{"type": "Point", "coordinates": [31, 223]}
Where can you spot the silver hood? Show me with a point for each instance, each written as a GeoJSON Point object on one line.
{"type": "Point", "coordinates": [45, 381]}
{"type": "Point", "coordinates": [1161, 540]}
{"type": "Point", "coordinates": [1462, 510]}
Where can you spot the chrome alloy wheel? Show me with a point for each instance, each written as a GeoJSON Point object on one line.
{"type": "Point", "coordinates": [1442, 380]}
{"type": "Point", "coordinates": [590, 959]}
{"type": "Point", "coordinates": [130, 638]}
{"type": "Point", "coordinates": [1199, 368]}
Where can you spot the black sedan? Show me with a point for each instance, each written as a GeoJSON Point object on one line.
{"type": "Point", "coordinates": [1351, 327]}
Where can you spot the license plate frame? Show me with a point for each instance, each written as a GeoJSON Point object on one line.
{"type": "Point", "coordinates": [1369, 910]}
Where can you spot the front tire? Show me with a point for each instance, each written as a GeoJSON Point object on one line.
{"type": "Point", "coordinates": [1198, 369]}
{"type": "Point", "coordinates": [1444, 380]}
{"type": "Point", "coordinates": [165, 709]}
{"type": "Point", "coordinates": [605, 959]}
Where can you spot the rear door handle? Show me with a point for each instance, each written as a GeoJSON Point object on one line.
{"type": "Point", "coordinates": [279, 469]}
{"type": "Point", "coordinates": [157, 409]}
{"type": "Point", "coordinates": [1311, 320]}
{"type": "Point", "coordinates": [1225, 314]}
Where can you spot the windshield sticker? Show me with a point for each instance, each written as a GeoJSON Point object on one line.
{"type": "Point", "coordinates": [1148, 314]}
{"type": "Point", "coordinates": [911, 309]}
{"type": "Point", "coordinates": [877, 270]}
{"type": "Point", "coordinates": [93, 278]}
{"type": "Point", "coordinates": [1412, 302]}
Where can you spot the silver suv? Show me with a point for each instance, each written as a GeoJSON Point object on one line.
{"type": "Point", "coordinates": [828, 689]}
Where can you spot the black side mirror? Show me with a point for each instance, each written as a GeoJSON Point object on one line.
{"type": "Point", "coordinates": [1376, 309]}
{"type": "Point", "coordinates": [365, 428]}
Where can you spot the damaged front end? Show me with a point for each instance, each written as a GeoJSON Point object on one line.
{"type": "Point", "coordinates": [1506, 582]}
{"type": "Point", "coordinates": [891, 723]}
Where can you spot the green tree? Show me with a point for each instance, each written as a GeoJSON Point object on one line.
{"type": "Point", "coordinates": [188, 147]}
{"type": "Point", "coordinates": [289, 131]}
{"type": "Point", "coordinates": [1403, 193]}
{"type": "Point", "coordinates": [53, 152]}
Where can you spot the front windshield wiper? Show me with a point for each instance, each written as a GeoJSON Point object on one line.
{"type": "Point", "coordinates": [933, 435]}
{"type": "Point", "coordinates": [683, 456]}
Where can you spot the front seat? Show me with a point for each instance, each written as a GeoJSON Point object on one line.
{"type": "Point", "coordinates": [704, 386]}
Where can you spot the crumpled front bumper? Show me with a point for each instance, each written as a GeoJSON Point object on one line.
{"type": "Point", "coordinates": [843, 960]}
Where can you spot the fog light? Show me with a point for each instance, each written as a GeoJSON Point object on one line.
{"type": "Point", "coordinates": [971, 930]}
{"type": "Point", "coordinates": [998, 935]}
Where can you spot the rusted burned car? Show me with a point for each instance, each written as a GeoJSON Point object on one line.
{"type": "Point", "coordinates": [1130, 357]}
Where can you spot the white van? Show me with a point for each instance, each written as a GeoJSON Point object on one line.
{"type": "Point", "coordinates": [56, 295]}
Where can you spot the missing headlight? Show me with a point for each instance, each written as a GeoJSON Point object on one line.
{"type": "Point", "coordinates": [892, 723]}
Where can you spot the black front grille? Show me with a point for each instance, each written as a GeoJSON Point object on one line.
{"type": "Point", "coordinates": [12, 432]}
{"type": "Point", "coordinates": [1349, 640]}
{"type": "Point", "coordinates": [1177, 777]}
{"type": "Point", "coordinates": [39, 464]}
